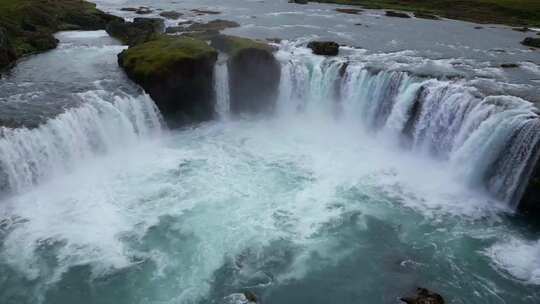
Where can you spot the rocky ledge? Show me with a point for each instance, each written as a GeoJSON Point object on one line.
{"type": "Point", "coordinates": [178, 74]}
{"type": "Point", "coordinates": [28, 26]}
{"type": "Point", "coordinates": [254, 74]}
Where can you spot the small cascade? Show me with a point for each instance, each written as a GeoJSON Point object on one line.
{"type": "Point", "coordinates": [221, 86]}
{"type": "Point", "coordinates": [102, 123]}
{"type": "Point", "coordinates": [491, 141]}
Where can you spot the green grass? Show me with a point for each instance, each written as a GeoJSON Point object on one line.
{"type": "Point", "coordinates": [511, 12]}
{"type": "Point", "coordinates": [233, 44]}
{"type": "Point", "coordinates": [30, 24]}
{"type": "Point", "coordinates": [156, 57]}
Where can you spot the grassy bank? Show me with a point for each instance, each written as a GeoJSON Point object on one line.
{"type": "Point", "coordinates": [511, 12]}
{"type": "Point", "coordinates": [27, 26]}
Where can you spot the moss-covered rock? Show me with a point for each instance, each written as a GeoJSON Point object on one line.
{"type": "Point", "coordinates": [254, 74]}
{"type": "Point", "coordinates": [178, 74]}
{"type": "Point", "coordinates": [233, 44]}
{"type": "Point", "coordinates": [326, 48]}
{"type": "Point", "coordinates": [138, 31]}
{"type": "Point", "coordinates": [30, 24]}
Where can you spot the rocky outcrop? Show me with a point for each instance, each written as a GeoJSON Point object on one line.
{"type": "Point", "coordinates": [171, 15]}
{"type": "Point", "coordinates": [397, 14]}
{"type": "Point", "coordinates": [214, 25]}
{"type": "Point", "coordinates": [7, 52]}
{"type": "Point", "coordinates": [532, 42]}
{"type": "Point", "coordinates": [351, 11]}
{"type": "Point", "coordinates": [138, 31]}
{"type": "Point", "coordinates": [424, 296]}
{"type": "Point", "coordinates": [29, 25]}
{"type": "Point", "coordinates": [423, 15]}
{"type": "Point", "coordinates": [178, 74]}
{"type": "Point", "coordinates": [254, 74]}
{"type": "Point", "coordinates": [326, 48]}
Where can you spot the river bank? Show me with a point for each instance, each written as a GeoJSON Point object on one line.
{"type": "Point", "coordinates": [514, 13]}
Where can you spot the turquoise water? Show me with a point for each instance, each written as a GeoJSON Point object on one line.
{"type": "Point", "coordinates": [296, 211]}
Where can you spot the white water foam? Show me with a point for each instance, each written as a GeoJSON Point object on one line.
{"type": "Point", "coordinates": [102, 123]}
{"type": "Point", "coordinates": [518, 257]}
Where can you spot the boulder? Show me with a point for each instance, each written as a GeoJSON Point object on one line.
{"type": "Point", "coordinates": [201, 12]}
{"type": "Point", "coordinates": [171, 15]}
{"type": "Point", "coordinates": [424, 296]}
{"type": "Point", "coordinates": [178, 74]}
{"type": "Point", "coordinates": [530, 41]}
{"type": "Point", "coordinates": [327, 48]}
{"type": "Point", "coordinates": [7, 52]}
{"type": "Point", "coordinates": [138, 31]}
{"type": "Point", "coordinates": [143, 10]}
{"type": "Point", "coordinates": [351, 11]}
{"type": "Point", "coordinates": [423, 15]}
{"type": "Point", "coordinates": [509, 65]}
{"type": "Point", "coordinates": [397, 14]}
{"type": "Point", "coordinates": [214, 25]}
{"type": "Point", "coordinates": [254, 74]}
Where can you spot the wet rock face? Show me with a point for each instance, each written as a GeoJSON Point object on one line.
{"type": "Point", "coordinates": [171, 15]}
{"type": "Point", "coordinates": [138, 31]}
{"type": "Point", "coordinates": [178, 74]}
{"type": "Point", "coordinates": [7, 53]}
{"type": "Point", "coordinates": [299, 1]}
{"type": "Point", "coordinates": [397, 14]}
{"type": "Point", "coordinates": [254, 81]}
{"type": "Point", "coordinates": [530, 41]}
{"type": "Point", "coordinates": [424, 296]}
{"type": "Point", "coordinates": [326, 48]}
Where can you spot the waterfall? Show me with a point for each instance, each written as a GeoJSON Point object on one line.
{"type": "Point", "coordinates": [221, 86]}
{"type": "Point", "coordinates": [102, 123]}
{"type": "Point", "coordinates": [491, 141]}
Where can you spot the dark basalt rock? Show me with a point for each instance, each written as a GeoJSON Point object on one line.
{"type": "Point", "coordinates": [143, 10]}
{"type": "Point", "coordinates": [521, 29]}
{"type": "Point", "coordinates": [214, 25]}
{"type": "Point", "coordinates": [351, 11]}
{"type": "Point", "coordinates": [171, 15]}
{"type": "Point", "coordinates": [201, 12]}
{"type": "Point", "coordinates": [397, 14]}
{"type": "Point", "coordinates": [7, 52]}
{"type": "Point", "coordinates": [254, 74]}
{"type": "Point", "coordinates": [250, 296]}
{"type": "Point", "coordinates": [299, 1]}
{"type": "Point", "coordinates": [327, 48]}
{"type": "Point", "coordinates": [423, 15]}
{"type": "Point", "coordinates": [178, 74]}
{"type": "Point", "coordinates": [530, 41]}
{"type": "Point", "coordinates": [138, 31]}
{"type": "Point", "coordinates": [254, 81]}
{"type": "Point", "coordinates": [509, 65]}
{"type": "Point", "coordinates": [424, 296]}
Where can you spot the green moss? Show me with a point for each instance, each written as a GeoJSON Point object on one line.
{"type": "Point", "coordinates": [158, 56]}
{"type": "Point", "coordinates": [511, 12]}
{"type": "Point", "coordinates": [232, 44]}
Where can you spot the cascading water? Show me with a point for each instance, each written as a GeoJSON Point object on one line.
{"type": "Point", "coordinates": [491, 141]}
{"type": "Point", "coordinates": [102, 123]}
